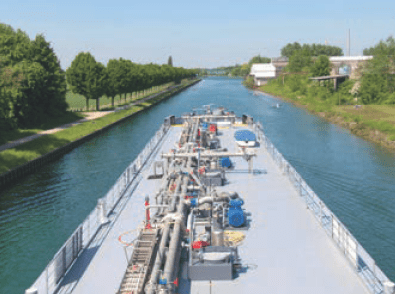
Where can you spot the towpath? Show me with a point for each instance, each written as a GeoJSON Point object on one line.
{"type": "Point", "coordinates": [89, 116]}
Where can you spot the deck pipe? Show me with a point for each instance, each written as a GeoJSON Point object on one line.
{"type": "Point", "coordinates": [151, 287]}
{"type": "Point", "coordinates": [171, 257]}
{"type": "Point", "coordinates": [175, 242]}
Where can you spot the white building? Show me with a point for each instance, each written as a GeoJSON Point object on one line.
{"type": "Point", "coordinates": [262, 72]}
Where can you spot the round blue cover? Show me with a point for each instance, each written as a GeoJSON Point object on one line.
{"type": "Point", "coordinates": [236, 217]}
{"type": "Point", "coordinates": [225, 162]}
{"type": "Point", "coordinates": [244, 135]}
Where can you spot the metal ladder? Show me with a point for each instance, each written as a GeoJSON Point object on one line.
{"type": "Point", "coordinates": [140, 263]}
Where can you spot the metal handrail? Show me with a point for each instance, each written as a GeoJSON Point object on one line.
{"type": "Point", "coordinates": [364, 265]}
{"type": "Point", "coordinates": [50, 279]}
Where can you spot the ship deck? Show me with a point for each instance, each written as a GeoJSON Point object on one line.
{"type": "Point", "coordinates": [285, 250]}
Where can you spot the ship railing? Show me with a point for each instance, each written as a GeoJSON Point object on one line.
{"type": "Point", "coordinates": [51, 278]}
{"type": "Point", "coordinates": [365, 266]}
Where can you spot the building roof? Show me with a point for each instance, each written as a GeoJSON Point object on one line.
{"type": "Point", "coordinates": [265, 75]}
{"type": "Point", "coordinates": [262, 70]}
{"type": "Point", "coordinates": [349, 58]}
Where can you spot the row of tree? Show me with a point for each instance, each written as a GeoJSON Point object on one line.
{"type": "Point", "coordinates": [32, 83]}
{"type": "Point", "coordinates": [303, 61]}
{"type": "Point", "coordinates": [311, 49]}
{"type": "Point", "coordinates": [93, 80]}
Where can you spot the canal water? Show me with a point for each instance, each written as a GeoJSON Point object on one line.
{"type": "Point", "coordinates": [355, 178]}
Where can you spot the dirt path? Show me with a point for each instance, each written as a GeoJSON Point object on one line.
{"type": "Point", "coordinates": [89, 116]}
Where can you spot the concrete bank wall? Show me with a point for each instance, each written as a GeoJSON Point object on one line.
{"type": "Point", "coordinates": [19, 172]}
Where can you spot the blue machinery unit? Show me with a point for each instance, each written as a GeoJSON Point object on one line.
{"type": "Point", "coordinates": [235, 213]}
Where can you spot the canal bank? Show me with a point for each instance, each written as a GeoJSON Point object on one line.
{"type": "Point", "coordinates": [348, 121]}
{"type": "Point", "coordinates": [29, 165]}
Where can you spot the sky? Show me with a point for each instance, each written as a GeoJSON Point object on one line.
{"type": "Point", "coordinates": [197, 33]}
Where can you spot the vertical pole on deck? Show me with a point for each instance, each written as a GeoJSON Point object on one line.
{"type": "Point", "coordinates": [250, 165]}
{"type": "Point", "coordinates": [147, 214]}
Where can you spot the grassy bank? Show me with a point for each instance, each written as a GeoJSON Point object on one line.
{"type": "Point", "coordinates": [23, 153]}
{"type": "Point", "coordinates": [77, 102]}
{"type": "Point", "coordinates": [373, 122]}
{"type": "Point", "coordinates": [11, 135]}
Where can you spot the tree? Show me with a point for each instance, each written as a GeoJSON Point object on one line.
{"type": "Point", "coordinates": [378, 81]}
{"type": "Point", "coordinates": [10, 80]}
{"type": "Point", "coordinates": [289, 49]}
{"type": "Point", "coordinates": [299, 61]}
{"type": "Point", "coordinates": [87, 78]}
{"type": "Point", "coordinates": [170, 61]}
{"type": "Point", "coordinates": [321, 67]}
{"type": "Point", "coordinates": [259, 59]}
{"type": "Point", "coordinates": [53, 96]}
{"type": "Point", "coordinates": [41, 88]}
{"type": "Point", "coordinates": [313, 49]}
{"type": "Point", "coordinates": [383, 47]}
{"type": "Point", "coordinates": [27, 105]}
{"type": "Point", "coordinates": [113, 80]}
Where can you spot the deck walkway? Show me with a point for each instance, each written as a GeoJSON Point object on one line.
{"type": "Point", "coordinates": [285, 250]}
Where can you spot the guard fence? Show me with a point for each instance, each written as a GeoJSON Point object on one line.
{"type": "Point", "coordinates": [365, 266]}
{"type": "Point", "coordinates": [51, 278]}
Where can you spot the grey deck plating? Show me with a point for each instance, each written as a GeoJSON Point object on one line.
{"type": "Point", "coordinates": [285, 250]}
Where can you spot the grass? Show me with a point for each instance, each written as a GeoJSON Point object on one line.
{"type": "Point", "coordinates": [77, 102]}
{"type": "Point", "coordinates": [12, 135]}
{"type": "Point", "coordinates": [371, 112]}
{"type": "Point", "coordinates": [373, 117]}
{"type": "Point", "coordinates": [377, 117]}
{"type": "Point", "coordinates": [23, 153]}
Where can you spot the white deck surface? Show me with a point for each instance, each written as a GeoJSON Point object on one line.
{"type": "Point", "coordinates": [286, 249]}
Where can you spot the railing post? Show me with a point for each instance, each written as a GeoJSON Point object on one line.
{"type": "Point", "coordinates": [102, 215]}
{"type": "Point", "coordinates": [389, 287]}
{"type": "Point", "coordinates": [32, 290]}
{"type": "Point", "coordinates": [320, 212]}
{"type": "Point", "coordinates": [47, 279]}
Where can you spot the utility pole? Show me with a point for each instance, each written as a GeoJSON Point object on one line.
{"type": "Point", "coordinates": [349, 43]}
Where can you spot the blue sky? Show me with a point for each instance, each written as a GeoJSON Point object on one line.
{"type": "Point", "coordinates": [197, 33]}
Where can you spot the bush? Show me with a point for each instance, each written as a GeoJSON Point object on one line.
{"type": "Point", "coordinates": [249, 82]}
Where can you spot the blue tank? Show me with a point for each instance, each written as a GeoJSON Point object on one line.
{"type": "Point", "coordinates": [235, 213]}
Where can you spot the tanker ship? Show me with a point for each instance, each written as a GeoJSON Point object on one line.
{"type": "Point", "coordinates": [211, 206]}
